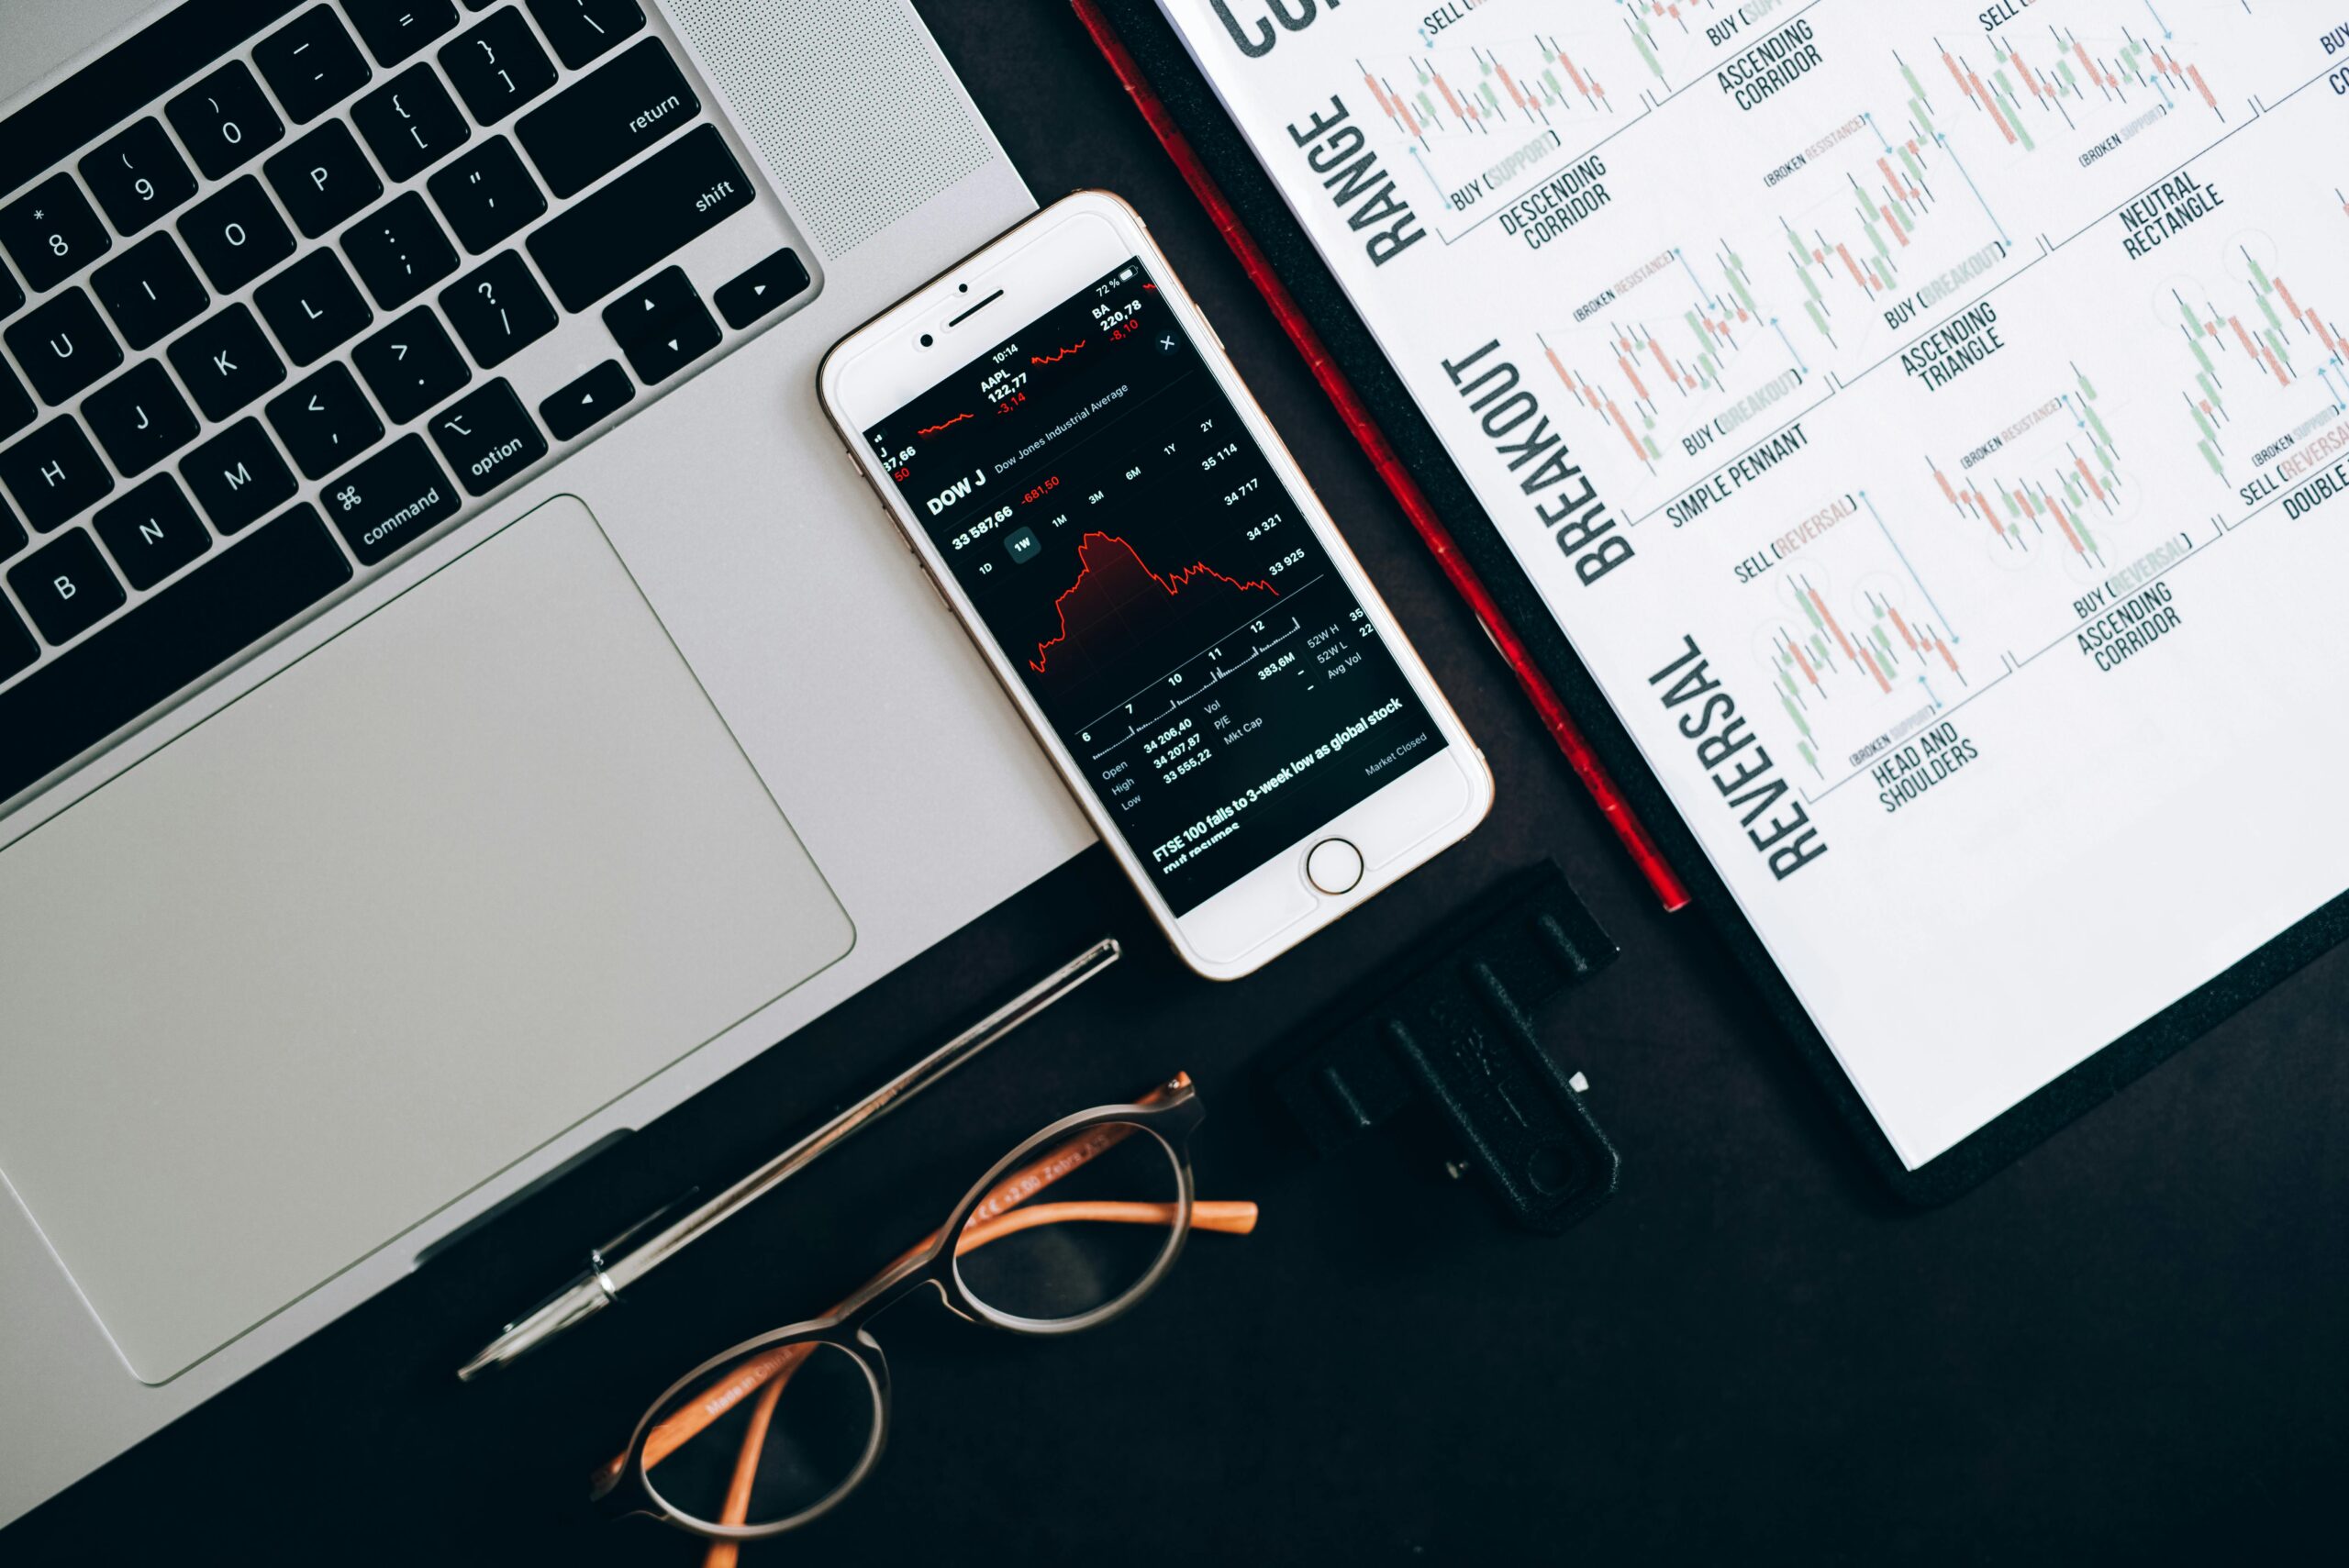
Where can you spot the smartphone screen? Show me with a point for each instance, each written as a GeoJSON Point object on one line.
{"type": "Point", "coordinates": [1156, 586]}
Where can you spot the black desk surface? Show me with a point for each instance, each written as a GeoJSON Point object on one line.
{"type": "Point", "coordinates": [2129, 1345]}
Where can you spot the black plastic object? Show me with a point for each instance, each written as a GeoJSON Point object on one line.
{"type": "Point", "coordinates": [1458, 1037]}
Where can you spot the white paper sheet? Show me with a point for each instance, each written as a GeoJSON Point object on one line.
{"type": "Point", "coordinates": [1925, 420]}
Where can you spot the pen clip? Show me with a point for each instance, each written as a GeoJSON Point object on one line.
{"type": "Point", "coordinates": [601, 1257]}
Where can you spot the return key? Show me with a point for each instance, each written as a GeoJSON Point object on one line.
{"type": "Point", "coordinates": [591, 128]}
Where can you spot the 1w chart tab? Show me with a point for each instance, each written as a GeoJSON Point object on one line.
{"type": "Point", "coordinates": [1923, 420]}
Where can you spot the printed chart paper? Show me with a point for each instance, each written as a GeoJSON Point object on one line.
{"type": "Point", "coordinates": [1924, 420]}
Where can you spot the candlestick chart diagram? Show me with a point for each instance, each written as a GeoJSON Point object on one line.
{"type": "Point", "coordinates": [2061, 489]}
{"type": "Point", "coordinates": [1685, 348]}
{"type": "Point", "coordinates": [1855, 646]}
{"type": "Point", "coordinates": [2266, 357]}
{"type": "Point", "coordinates": [2070, 79]}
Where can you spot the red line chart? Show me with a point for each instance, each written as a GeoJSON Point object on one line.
{"type": "Point", "coordinates": [1100, 552]}
{"type": "Point", "coordinates": [933, 429]}
{"type": "Point", "coordinates": [1057, 355]}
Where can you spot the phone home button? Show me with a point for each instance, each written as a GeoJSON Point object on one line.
{"type": "Point", "coordinates": [1333, 865]}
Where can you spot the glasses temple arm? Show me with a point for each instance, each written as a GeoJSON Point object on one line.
{"type": "Point", "coordinates": [1233, 1217]}
{"type": "Point", "coordinates": [726, 1554]}
{"type": "Point", "coordinates": [746, 1379]}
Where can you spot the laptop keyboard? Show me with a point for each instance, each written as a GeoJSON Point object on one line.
{"type": "Point", "coordinates": [337, 274]}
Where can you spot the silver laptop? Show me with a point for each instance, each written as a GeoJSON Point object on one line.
{"type": "Point", "coordinates": [456, 699]}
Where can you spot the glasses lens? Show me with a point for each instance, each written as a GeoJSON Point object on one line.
{"type": "Point", "coordinates": [1076, 1230]}
{"type": "Point", "coordinates": [778, 1434]}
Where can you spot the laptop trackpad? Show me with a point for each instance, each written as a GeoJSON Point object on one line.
{"type": "Point", "coordinates": [376, 930]}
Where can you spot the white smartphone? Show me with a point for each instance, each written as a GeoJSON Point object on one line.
{"type": "Point", "coordinates": [1057, 433]}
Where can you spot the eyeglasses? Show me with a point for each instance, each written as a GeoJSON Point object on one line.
{"type": "Point", "coordinates": [776, 1431]}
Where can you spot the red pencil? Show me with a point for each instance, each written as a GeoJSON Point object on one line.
{"type": "Point", "coordinates": [1373, 441]}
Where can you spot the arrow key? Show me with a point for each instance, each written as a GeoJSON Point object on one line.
{"type": "Point", "coordinates": [661, 324]}
{"type": "Point", "coordinates": [762, 289]}
{"type": "Point", "coordinates": [590, 398]}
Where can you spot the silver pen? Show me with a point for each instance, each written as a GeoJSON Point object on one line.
{"type": "Point", "coordinates": [616, 1265]}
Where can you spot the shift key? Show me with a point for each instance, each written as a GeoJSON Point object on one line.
{"type": "Point", "coordinates": [671, 198]}
{"type": "Point", "coordinates": [596, 125]}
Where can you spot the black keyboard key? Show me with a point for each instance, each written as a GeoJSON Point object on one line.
{"type": "Point", "coordinates": [52, 232]}
{"type": "Point", "coordinates": [17, 649]}
{"type": "Point", "coordinates": [12, 533]}
{"type": "Point", "coordinates": [139, 176]}
{"type": "Point", "coordinates": [224, 120]}
{"type": "Point", "coordinates": [325, 421]}
{"type": "Point", "coordinates": [497, 67]}
{"type": "Point", "coordinates": [150, 290]}
{"type": "Point", "coordinates": [140, 419]}
{"type": "Point", "coordinates": [180, 634]}
{"type": "Point", "coordinates": [151, 532]}
{"type": "Point", "coordinates": [227, 362]}
{"type": "Point", "coordinates": [396, 28]}
{"type": "Point", "coordinates": [594, 126]}
{"type": "Point", "coordinates": [63, 346]}
{"type": "Point", "coordinates": [751, 295]}
{"type": "Point", "coordinates": [582, 29]}
{"type": "Point", "coordinates": [113, 88]}
{"type": "Point", "coordinates": [411, 122]}
{"type": "Point", "coordinates": [65, 587]}
{"type": "Point", "coordinates": [390, 500]}
{"type": "Point", "coordinates": [313, 306]}
{"type": "Point", "coordinates": [487, 438]}
{"type": "Point", "coordinates": [487, 195]}
{"type": "Point", "coordinates": [661, 324]}
{"type": "Point", "coordinates": [586, 400]}
{"type": "Point", "coordinates": [411, 365]}
{"type": "Point", "coordinates": [399, 250]}
{"type": "Point", "coordinates": [54, 472]}
{"type": "Point", "coordinates": [16, 403]}
{"type": "Point", "coordinates": [498, 308]}
{"type": "Point", "coordinates": [235, 235]}
{"type": "Point", "coordinates": [323, 179]}
{"type": "Point", "coordinates": [632, 225]}
{"type": "Point", "coordinates": [238, 476]}
{"type": "Point", "coordinates": [311, 64]}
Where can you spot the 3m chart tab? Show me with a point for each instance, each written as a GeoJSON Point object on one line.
{"type": "Point", "coordinates": [1924, 421]}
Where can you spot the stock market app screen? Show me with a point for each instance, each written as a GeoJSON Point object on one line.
{"type": "Point", "coordinates": [1156, 587]}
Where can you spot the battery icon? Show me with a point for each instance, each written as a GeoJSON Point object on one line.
{"type": "Point", "coordinates": [1124, 275]}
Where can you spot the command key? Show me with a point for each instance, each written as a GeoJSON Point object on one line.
{"type": "Point", "coordinates": [390, 500]}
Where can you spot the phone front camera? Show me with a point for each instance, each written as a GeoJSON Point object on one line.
{"type": "Point", "coordinates": [927, 340]}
